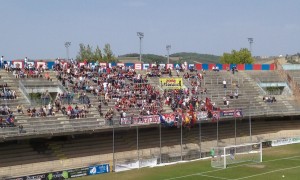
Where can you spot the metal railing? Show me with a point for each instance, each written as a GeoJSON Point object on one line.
{"type": "Point", "coordinates": [24, 92]}
{"type": "Point", "coordinates": [184, 145]}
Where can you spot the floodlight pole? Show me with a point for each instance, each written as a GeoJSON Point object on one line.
{"type": "Point", "coordinates": [168, 47]}
{"type": "Point", "coordinates": [67, 45]}
{"type": "Point", "coordinates": [250, 40]}
{"type": "Point", "coordinates": [140, 35]}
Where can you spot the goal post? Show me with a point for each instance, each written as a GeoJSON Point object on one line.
{"type": "Point", "coordinates": [221, 157]}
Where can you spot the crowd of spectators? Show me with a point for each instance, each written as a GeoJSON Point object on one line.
{"type": "Point", "coordinates": [6, 93]}
{"type": "Point", "coordinates": [119, 86]}
{"type": "Point", "coordinates": [269, 99]}
{"type": "Point", "coordinates": [29, 70]}
{"type": "Point", "coordinates": [6, 117]}
{"type": "Point", "coordinates": [125, 91]}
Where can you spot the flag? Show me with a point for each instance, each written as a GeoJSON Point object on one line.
{"type": "Point", "coordinates": [238, 113]}
{"type": "Point", "coordinates": [208, 104]}
{"type": "Point", "coordinates": [167, 119]}
{"type": "Point", "coordinates": [215, 115]}
{"type": "Point", "coordinates": [161, 118]}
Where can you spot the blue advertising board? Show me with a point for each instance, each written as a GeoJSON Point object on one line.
{"type": "Point", "coordinates": [99, 169]}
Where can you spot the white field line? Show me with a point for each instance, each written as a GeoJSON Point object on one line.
{"type": "Point", "coordinates": [196, 174]}
{"type": "Point", "coordinates": [294, 159]}
{"type": "Point", "coordinates": [215, 177]}
{"type": "Point", "coordinates": [246, 177]}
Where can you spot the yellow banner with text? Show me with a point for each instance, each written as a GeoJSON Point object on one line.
{"type": "Point", "coordinates": [171, 83]}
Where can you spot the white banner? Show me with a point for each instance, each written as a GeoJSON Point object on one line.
{"type": "Point", "coordinates": [151, 119]}
{"type": "Point", "coordinates": [125, 121]}
{"type": "Point", "coordinates": [138, 66]}
{"type": "Point", "coordinates": [103, 64]}
{"type": "Point", "coordinates": [171, 66]}
{"type": "Point", "coordinates": [285, 141]}
{"type": "Point", "coordinates": [41, 64]}
{"type": "Point", "coordinates": [135, 164]}
{"type": "Point", "coordinates": [202, 115]}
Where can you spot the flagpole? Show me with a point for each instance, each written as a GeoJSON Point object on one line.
{"type": "Point", "coordinates": [159, 143]}
{"type": "Point", "coordinates": [200, 139]}
{"type": "Point", "coordinates": [181, 139]}
{"type": "Point", "coordinates": [113, 149]}
{"type": "Point", "coordinates": [234, 130]}
{"type": "Point", "coordinates": [217, 132]}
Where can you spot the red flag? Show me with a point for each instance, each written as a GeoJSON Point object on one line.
{"type": "Point", "coordinates": [208, 104]}
{"type": "Point", "coordinates": [215, 115]}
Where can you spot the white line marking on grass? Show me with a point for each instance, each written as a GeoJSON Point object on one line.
{"type": "Point", "coordinates": [294, 159]}
{"type": "Point", "coordinates": [195, 174]}
{"type": "Point", "coordinates": [215, 177]}
{"type": "Point", "coordinates": [246, 177]}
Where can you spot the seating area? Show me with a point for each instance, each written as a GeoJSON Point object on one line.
{"type": "Point", "coordinates": [295, 75]}
{"type": "Point", "coordinates": [242, 92]}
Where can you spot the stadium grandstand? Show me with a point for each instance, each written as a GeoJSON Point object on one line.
{"type": "Point", "coordinates": [64, 115]}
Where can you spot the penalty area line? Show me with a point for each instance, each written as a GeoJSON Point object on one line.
{"type": "Point", "coordinates": [197, 174]}
{"type": "Point", "coordinates": [277, 170]}
{"type": "Point", "coordinates": [215, 177]}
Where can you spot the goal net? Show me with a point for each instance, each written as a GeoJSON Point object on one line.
{"type": "Point", "coordinates": [224, 156]}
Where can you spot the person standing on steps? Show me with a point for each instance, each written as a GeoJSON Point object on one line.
{"type": "Point", "coordinates": [2, 62]}
{"type": "Point", "coordinates": [224, 84]}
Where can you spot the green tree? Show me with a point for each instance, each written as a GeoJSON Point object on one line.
{"type": "Point", "coordinates": [243, 56]}
{"type": "Point", "coordinates": [97, 54]}
{"type": "Point", "coordinates": [85, 53]}
{"type": "Point", "coordinates": [108, 54]}
{"type": "Point", "coordinates": [82, 52]}
{"type": "Point", "coordinates": [89, 53]}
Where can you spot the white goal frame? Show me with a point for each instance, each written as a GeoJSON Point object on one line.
{"type": "Point", "coordinates": [223, 156]}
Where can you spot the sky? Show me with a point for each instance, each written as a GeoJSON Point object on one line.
{"type": "Point", "coordinates": [38, 29]}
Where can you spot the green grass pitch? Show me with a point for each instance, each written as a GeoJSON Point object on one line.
{"type": "Point", "coordinates": [281, 162]}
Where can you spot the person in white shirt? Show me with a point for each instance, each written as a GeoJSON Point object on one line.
{"type": "Point", "coordinates": [25, 60]}
{"type": "Point", "coordinates": [105, 86]}
{"type": "Point", "coordinates": [124, 114]}
{"type": "Point", "coordinates": [224, 83]}
{"type": "Point", "coordinates": [236, 94]}
{"type": "Point", "coordinates": [2, 65]}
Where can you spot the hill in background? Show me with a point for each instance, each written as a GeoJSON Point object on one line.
{"type": "Point", "coordinates": [174, 58]}
{"type": "Point", "coordinates": [196, 57]}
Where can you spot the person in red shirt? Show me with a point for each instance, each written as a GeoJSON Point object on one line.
{"type": "Point", "coordinates": [191, 107]}
{"type": "Point", "coordinates": [69, 107]}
